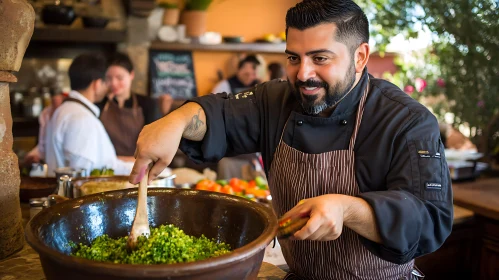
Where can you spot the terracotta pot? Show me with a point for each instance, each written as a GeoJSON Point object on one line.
{"type": "Point", "coordinates": [171, 16]}
{"type": "Point", "coordinates": [195, 22]}
{"type": "Point", "coordinates": [248, 227]}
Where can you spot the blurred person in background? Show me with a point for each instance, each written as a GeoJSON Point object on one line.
{"type": "Point", "coordinates": [36, 155]}
{"type": "Point", "coordinates": [124, 113]}
{"type": "Point", "coordinates": [276, 71]}
{"type": "Point", "coordinates": [245, 77]}
{"type": "Point", "coordinates": [75, 136]}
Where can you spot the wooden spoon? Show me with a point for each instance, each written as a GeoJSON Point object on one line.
{"type": "Point", "coordinates": [140, 224]}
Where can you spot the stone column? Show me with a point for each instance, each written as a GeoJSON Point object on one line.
{"type": "Point", "coordinates": [17, 19]}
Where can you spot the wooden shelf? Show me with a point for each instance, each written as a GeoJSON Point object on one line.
{"type": "Point", "coordinates": [225, 47]}
{"type": "Point", "coordinates": [84, 35]}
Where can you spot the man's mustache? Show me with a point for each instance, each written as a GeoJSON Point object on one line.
{"type": "Point", "coordinates": [311, 83]}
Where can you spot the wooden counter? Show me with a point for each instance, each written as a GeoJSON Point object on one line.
{"type": "Point", "coordinates": [25, 265]}
{"type": "Point", "coordinates": [481, 197]}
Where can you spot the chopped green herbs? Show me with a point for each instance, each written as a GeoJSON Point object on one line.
{"type": "Point", "coordinates": [166, 245]}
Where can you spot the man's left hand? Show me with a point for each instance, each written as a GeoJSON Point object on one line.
{"type": "Point", "coordinates": [326, 213]}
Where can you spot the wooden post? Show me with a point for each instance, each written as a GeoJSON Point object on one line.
{"type": "Point", "coordinates": [16, 27]}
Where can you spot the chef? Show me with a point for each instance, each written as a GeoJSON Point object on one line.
{"type": "Point", "coordinates": [356, 155]}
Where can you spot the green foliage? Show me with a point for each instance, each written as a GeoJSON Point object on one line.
{"type": "Point", "coordinates": [464, 54]}
{"type": "Point", "coordinates": [166, 5]}
{"type": "Point", "coordinates": [197, 5]}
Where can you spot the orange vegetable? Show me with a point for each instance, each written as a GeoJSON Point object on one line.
{"type": "Point", "coordinates": [227, 189]}
{"type": "Point", "coordinates": [252, 184]}
{"type": "Point", "coordinates": [203, 185]}
{"type": "Point", "coordinates": [237, 184]}
{"type": "Point", "coordinates": [261, 193]}
{"type": "Point", "coordinates": [216, 188]}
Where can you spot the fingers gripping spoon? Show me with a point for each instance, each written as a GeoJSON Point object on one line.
{"type": "Point", "coordinates": [140, 224]}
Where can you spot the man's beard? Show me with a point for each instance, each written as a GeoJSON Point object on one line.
{"type": "Point", "coordinates": [310, 103]}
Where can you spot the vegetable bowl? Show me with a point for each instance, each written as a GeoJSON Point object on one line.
{"type": "Point", "coordinates": [247, 227]}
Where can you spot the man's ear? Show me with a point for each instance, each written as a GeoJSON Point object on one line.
{"type": "Point", "coordinates": [97, 84]}
{"type": "Point", "coordinates": [361, 57]}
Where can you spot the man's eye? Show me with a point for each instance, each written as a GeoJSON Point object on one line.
{"type": "Point", "coordinates": [292, 58]}
{"type": "Point", "coordinates": [320, 59]}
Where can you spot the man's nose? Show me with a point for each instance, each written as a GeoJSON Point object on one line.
{"type": "Point", "coordinates": [306, 71]}
{"type": "Point", "coordinates": [111, 83]}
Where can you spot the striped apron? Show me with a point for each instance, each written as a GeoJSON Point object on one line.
{"type": "Point", "coordinates": [294, 176]}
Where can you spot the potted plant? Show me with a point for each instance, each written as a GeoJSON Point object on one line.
{"type": "Point", "coordinates": [171, 13]}
{"type": "Point", "coordinates": [194, 17]}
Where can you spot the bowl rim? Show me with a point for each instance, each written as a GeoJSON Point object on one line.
{"type": "Point", "coordinates": [155, 270]}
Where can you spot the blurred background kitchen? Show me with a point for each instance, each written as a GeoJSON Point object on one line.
{"type": "Point", "coordinates": [443, 54]}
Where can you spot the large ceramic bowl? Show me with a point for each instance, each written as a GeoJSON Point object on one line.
{"type": "Point", "coordinates": [247, 226]}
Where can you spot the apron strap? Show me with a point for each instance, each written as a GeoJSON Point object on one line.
{"type": "Point", "coordinates": [358, 120]}
{"type": "Point", "coordinates": [71, 99]}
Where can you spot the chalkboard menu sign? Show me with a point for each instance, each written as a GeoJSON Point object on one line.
{"type": "Point", "coordinates": [172, 72]}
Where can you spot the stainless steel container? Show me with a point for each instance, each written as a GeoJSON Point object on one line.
{"type": "Point", "coordinates": [72, 187]}
{"type": "Point", "coordinates": [71, 172]}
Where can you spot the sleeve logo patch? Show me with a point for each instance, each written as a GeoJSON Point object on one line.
{"type": "Point", "coordinates": [433, 186]}
{"type": "Point", "coordinates": [243, 94]}
{"type": "Point", "coordinates": [426, 154]}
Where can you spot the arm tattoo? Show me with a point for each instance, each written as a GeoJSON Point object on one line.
{"type": "Point", "coordinates": [195, 127]}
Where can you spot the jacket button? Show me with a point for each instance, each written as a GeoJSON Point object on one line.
{"type": "Point", "coordinates": [299, 123]}
{"type": "Point", "coordinates": [343, 122]}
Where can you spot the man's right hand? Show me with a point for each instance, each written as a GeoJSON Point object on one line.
{"type": "Point", "coordinates": [158, 142]}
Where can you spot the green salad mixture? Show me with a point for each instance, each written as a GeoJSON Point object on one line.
{"type": "Point", "coordinates": [102, 172]}
{"type": "Point", "coordinates": [166, 244]}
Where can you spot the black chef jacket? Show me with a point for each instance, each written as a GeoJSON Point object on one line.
{"type": "Point", "coordinates": [399, 157]}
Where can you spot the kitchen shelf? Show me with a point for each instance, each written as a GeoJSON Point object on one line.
{"type": "Point", "coordinates": [273, 48]}
{"type": "Point", "coordinates": [83, 35]}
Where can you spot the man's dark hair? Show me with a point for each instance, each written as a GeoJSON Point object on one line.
{"type": "Point", "coordinates": [249, 59]}
{"type": "Point", "coordinates": [351, 22]}
{"type": "Point", "coordinates": [120, 59]}
{"type": "Point", "coordinates": [85, 69]}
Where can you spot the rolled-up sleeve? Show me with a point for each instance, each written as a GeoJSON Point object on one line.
{"type": "Point", "coordinates": [414, 215]}
{"type": "Point", "coordinates": [233, 126]}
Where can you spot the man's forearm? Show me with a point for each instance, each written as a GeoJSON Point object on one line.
{"type": "Point", "coordinates": [193, 118]}
{"type": "Point", "coordinates": [359, 217]}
